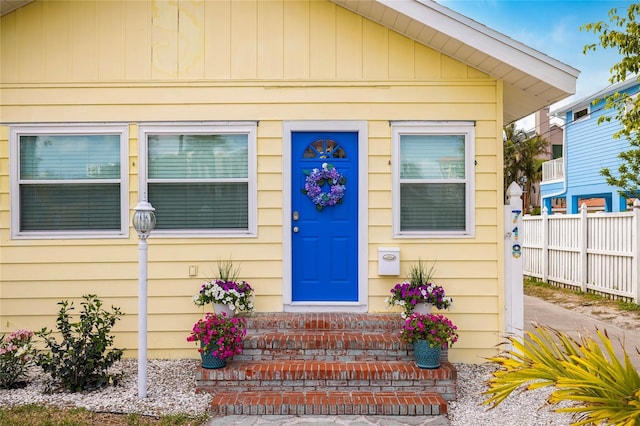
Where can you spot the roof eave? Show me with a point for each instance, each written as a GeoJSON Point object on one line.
{"type": "Point", "coordinates": [532, 80]}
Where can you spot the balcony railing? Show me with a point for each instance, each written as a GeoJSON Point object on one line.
{"type": "Point", "coordinates": [552, 170]}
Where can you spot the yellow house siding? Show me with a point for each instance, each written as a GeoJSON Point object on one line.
{"type": "Point", "coordinates": [270, 62]}
{"type": "Point", "coordinates": [217, 50]}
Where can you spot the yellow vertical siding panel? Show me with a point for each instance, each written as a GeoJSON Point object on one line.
{"type": "Point", "coordinates": [137, 25]}
{"type": "Point", "coordinates": [56, 43]}
{"type": "Point", "coordinates": [30, 36]}
{"type": "Point", "coordinates": [217, 39]}
{"type": "Point", "coordinates": [474, 73]}
{"type": "Point", "coordinates": [164, 39]}
{"type": "Point", "coordinates": [322, 41]}
{"type": "Point", "coordinates": [191, 39]}
{"type": "Point", "coordinates": [244, 39]}
{"type": "Point", "coordinates": [111, 40]}
{"type": "Point", "coordinates": [296, 39]}
{"type": "Point", "coordinates": [427, 62]}
{"type": "Point", "coordinates": [270, 40]}
{"type": "Point", "coordinates": [452, 68]}
{"type": "Point", "coordinates": [84, 42]}
{"type": "Point", "coordinates": [375, 51]}
{"type": "Point", "coordinates": [9, 49]}
{"type": "Point", "coordinates": [349, 45]}
{"type": "Point", "coordinates": [401, 57]}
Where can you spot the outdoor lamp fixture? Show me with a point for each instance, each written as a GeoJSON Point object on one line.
{"type": "Point", "coordinates": [144, 220]}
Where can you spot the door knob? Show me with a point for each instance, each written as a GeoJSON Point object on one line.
{"type": "Point", "coordinates": [296, 229]}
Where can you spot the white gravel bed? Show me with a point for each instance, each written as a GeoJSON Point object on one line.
{"type": "Point", "coordinates": [171, 390]}
{"type": "Point", "coordinates": [520, 408]}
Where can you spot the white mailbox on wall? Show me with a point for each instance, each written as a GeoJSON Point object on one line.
{"type": "Point", "coordinates": [388, 261]}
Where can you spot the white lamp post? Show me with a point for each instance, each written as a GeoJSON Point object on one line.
{"type": "Point", "coordinates": [144, 220]}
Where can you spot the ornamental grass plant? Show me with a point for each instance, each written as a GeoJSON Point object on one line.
{"type": "Point", "coordinates": [418, 289]}
{"type": "Point", "coordinates": [436, 329]}
{"type": "Point", "coordinates": [219, 335]}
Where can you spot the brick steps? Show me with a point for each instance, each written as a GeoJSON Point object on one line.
{"type": "Point", "coordinates": [329, 403]}
{"type": "Point", "coordinates": [296, 375]}
{"type": "Point", "coordinates": [327, 363]}
{"type": "Point", "coordinates": [325, 345]}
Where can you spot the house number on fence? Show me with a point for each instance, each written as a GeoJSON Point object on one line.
{"type": "Point", "coordinates": [516, 250]}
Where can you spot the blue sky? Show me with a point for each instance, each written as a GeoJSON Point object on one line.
{"type": "Point", "coordinates": [553, 28]}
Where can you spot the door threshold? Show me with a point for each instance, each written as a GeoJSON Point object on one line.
{"type": "Point", "coordinates": [325, 307]}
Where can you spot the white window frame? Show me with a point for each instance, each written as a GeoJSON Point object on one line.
{"type": "Point", "coordinates": [179, 128]}
{"type": "Point", "coordinates": [577, 110]}
{"type": "Point", "coordinates": [61, 129]}
{"type": "Point", "coordinates": [464, 128]}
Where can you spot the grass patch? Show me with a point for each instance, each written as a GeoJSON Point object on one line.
{"type": "Point", "coordinates": [40, 415]}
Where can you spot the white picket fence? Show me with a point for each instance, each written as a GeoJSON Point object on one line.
{"type": "Point", "coordinates": [598, 252]}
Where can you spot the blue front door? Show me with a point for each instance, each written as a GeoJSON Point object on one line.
{"type": "Point", "coordinates": [324, 238]}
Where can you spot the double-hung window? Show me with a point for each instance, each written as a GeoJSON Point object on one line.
{"type": "Point", "coordinates": [433, 179]}
{"type": "Point", "coordinates": [69, 181]}
{"type": "Point", "coordinates": [201, 179]}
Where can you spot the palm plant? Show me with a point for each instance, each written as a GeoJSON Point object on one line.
{"type": "Point", "coordinates": [587, 372]}
{"type": "Point", "coordinates": [523, 158]}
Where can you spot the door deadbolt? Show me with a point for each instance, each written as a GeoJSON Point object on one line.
{"type": "Point", "coordinates": [296, 215]}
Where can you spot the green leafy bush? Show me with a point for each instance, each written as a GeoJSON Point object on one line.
{"type": "Point", "coordinates": [82, 359]}
{"type": "Point", "coordinates": [586, 372]}
{"type": "Point", "coordinates": [16, 356]}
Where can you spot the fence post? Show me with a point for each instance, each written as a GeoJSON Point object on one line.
{"type": "Point", "coordinates": [513, 292]}
{"type": "Point", "coordinates": [635, 267]}
{"type": "Point", "coordinates": [545, 245]}
{"type": "Point", "coordinates": [583, 247]}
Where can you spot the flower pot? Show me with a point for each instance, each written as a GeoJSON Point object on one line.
{"type": "Point", "coordinates": [220, 308]}
{"type": "Point", "coordinates": [425, 355]}
{"type": "Point", "coordinates": [212, 362]}
{"type": "Point", "coordinates": [422, 308]}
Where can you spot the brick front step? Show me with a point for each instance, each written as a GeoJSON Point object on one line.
{"type": "Point", "coordinates": [287, 321]}
{"type": "Point", "coordinates": [329, 403]}
{"type": "Point", "coordinates": [297, 375]}
{"type": "Point", "coordinates": [325, 346]}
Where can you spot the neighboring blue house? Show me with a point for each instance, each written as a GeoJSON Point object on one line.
{"type": "Point", "coordinates": [588, 148]}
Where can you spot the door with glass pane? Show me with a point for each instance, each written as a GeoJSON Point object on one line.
{"type": "Point", "coordinates": [324, 220]}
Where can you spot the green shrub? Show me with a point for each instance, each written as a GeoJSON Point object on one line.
{"type": "Point", "coordinates": [82, 359]}
{"type": "Point", "coordinates": [586, 372]}
{"type": "Point", "coordinates": [16, 356]}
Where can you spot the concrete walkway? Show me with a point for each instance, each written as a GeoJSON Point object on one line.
{"type": "Point", "coordinates": [575, 324]}
{"type": "Point", "coordinates": [545, 313]}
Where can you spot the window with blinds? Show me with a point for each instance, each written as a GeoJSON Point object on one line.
{"type": "Point", "coordinates": [432, 179]}
{"type": "Point", "coordinates": [201, 180]}
{"type": "Point", "coordinates": [69, 181]}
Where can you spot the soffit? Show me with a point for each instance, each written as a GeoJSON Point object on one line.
{"type": "Point", "coordinates": [532, 80]}
{"type": "Point", "coordinates": [7, 6]}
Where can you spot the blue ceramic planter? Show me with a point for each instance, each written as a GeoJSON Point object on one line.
{"type": "Point", "coordinates": [212, 362]}
{"type": "Point", "coordinates": [426, 356]}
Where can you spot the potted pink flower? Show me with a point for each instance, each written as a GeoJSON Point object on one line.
{"type": "Point", "coordinates": [220, 337]}
{"type": "Point", "coordinates": [429, 334]}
